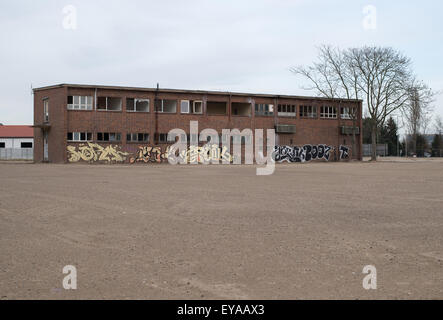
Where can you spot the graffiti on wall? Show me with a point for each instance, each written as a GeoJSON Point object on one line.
{"type": "Point", "coordinates": [193, 154]}
{"type": "Point", "coordinates": [93, 152]}
{"type": "Point", "coordinates": [149, 154]}
{"type": "Point", "coordinates": [344, 152]}
{"type": "Point", "coordinates": [302, 154]}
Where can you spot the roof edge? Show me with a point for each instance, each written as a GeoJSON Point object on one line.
{"type": "Point", "coordinates": [210, 92]}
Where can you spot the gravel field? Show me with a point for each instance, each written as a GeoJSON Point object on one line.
{"type": "Point", "coordinates": [218, 232]}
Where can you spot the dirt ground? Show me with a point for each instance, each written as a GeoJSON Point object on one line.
{"type": "Point", "coordinates": [216, 232]}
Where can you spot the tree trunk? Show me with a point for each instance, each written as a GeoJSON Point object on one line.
{"type": "Point", "coordinates": [374, 143]}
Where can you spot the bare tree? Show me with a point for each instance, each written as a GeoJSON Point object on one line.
{"type": "Point", "coordinates": [438, 124]}
{"type": "Point", "coordinates": [332, 77]}
{"type": "Point", "coordinates": [379, 76]}
{"type": "Point", "coordinates": [418, 110]}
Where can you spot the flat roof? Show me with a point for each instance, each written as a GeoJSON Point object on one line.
{"type": "Point", "coordinates": [108, 87]}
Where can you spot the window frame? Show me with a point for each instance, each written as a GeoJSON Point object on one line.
{"type": "Point", "coordinates": [86, 106]}
{"type": "Point", "coordinates": [181, 106]}
{"type": "Point", "coordinates": [328, 114]}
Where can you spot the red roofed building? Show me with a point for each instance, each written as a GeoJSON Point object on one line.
{"type": "Point", "coordinates": [16, 142]}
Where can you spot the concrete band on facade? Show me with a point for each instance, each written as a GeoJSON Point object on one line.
{"type": "Point", "coordinates": [111, 110]}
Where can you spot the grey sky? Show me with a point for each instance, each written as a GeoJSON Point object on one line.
{"type": "Point", "coordinates": [224, 45]}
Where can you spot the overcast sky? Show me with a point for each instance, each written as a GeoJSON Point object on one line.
{"type": "Point", "coordinates": [245, 46]}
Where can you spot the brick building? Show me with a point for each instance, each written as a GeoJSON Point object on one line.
{"type": "Point", "coordinates": [124, 124]}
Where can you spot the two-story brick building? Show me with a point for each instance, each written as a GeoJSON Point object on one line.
{"type": "Point", "coordinates": [126, 124]}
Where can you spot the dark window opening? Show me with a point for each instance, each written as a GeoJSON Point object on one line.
{"type": "Point", "coordinates": [215, 108]}
{"type": "Point", "coordinates": [26, 144]}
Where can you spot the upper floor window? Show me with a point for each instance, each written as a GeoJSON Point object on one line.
{"type": "Point", "coordinates": [165, 106]}
{"type": "Point", "coordinates": [46, 110]}
{"type": "Point", "coordinates": [79, 136]}
{"type": "Point", "coordinates": [184, 106]}
{"type": "Point", "coordinates": [80, 102]}
{"type": "Point", "coordinates": [264, 109]}
{"type": "Point", "coordinates": [137, 105]}
{"type": "Point", "coordinates": [308, 112]}
{"type": "Point", "coordinates": [328, 112]}
{"type": "Point", "coordinates": [347, 112]}
{"type": "Point", "coordinates": [286, 110]}
{"type": "Point", "coordinates": [109, 103]}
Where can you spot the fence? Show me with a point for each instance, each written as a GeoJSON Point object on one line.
{"type": "Point", "coordinates": [382, 150]}
{"type": "Point", "coordinates": [16, 154]}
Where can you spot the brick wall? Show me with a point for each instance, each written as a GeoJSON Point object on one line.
{"type": "Point", "coordinates": [308, 131]}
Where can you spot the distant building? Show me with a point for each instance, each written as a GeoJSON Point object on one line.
{"type": "Point", "coordinates": [125, 124]}
{"type": "Point", "coordinates": [16, 142]}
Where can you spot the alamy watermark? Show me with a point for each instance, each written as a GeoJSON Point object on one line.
{"type": "Point", "coordinates": [70, 280]}
{"type": "Point", "coordinates": [69, 21]}
{"type": "Point", "coordinates": [370, 17]}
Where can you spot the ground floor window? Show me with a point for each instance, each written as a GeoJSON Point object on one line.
{"type": "Point", "coordinates": [79, 136]}
{"type": "Point", "coordinates": [137, 137]}
{"type": "Point", "coordinates": [108, 136]}
{"type": "Point", "coordinates": [25, 145]}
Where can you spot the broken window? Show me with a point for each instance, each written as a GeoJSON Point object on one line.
{"type": "Point", "coordinates": [106, 136]}
{"type": "Point", "coordinates": [137, 105]}
{"type": "Point", "coordinates": [80, 102]}
{"type": "Point", "coordinates": [215, 108]}
{"type": "Point", "coordinates": [26, 145]}
{"type": "Point", "coordinates": [347, 112]}
{"type": "Point", "coordinates": [198, 107]}
{"type": "Point", "coordinates": [328, 112]}
{"type": "Point", "coordinates": [162, 138]}
{"type": "Point", "coordinates": [308, 112]}
{"type": "Point", "coordinates": [286, 110]}
{"type": "Point", "coordinates": [79, 136]}
{"type": "Point", "coordinates": [165, 106]}
{"type": "Point", "coordinates": [109, 103]}
{"type": "Point", "coordinates": [137, 137]}
{"type": "Point", "coordinates": [241, 109]}
{"type": "Point", "coordinates": [2, 145]}
{"type": "Point", "coordinates": [264, 109]}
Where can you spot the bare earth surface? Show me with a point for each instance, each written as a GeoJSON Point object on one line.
{"type": "Point", "coordinates": [215, 232]}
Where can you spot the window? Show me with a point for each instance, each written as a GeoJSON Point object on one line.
{"type": "Point", "coordinates": [137, 105]}
{"type": "Point", "coordinates": [215, 108]}
{"type": "Point", "coordinates": [79, 136]}
{"type": "Point", "coordinates": [46, 110]}
{"type": "Point", "coordinates": [286, 110]}
{"type": "Point", "coordinates": [165, 106]}
{"type": "Point", "coordinates": [109, 104]}
{"type": "Point", "coordinates": [137, 137]}
{"type": "Point", "coordinates": [184, 106]}
{"type": "Point", "coordinates": [347, 112]}
{"type": "Point", "coordinates": [308, 112]}
{"type": "Point", "coordinates": [108, 136]}
{"type": "Point", "coordinates": [328, 112]}
{"type": "Point", "coordinates": [79, 102]}
{"type": "Point", "coordinates": [26, 145]}
{"type": "Point", "coordinates": [2, 145]}
{"type": "Point", "coordinates": [163, 138]}
{"type": "Point", "coordinates": [241, 109]}
{"type": "Point", "coordinates": [198, 107]}
{"type": "Point", "coordinates": [264, 109]}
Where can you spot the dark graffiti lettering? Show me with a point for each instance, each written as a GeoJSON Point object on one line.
{"type": "Point", "coordinates": [302, 154]}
